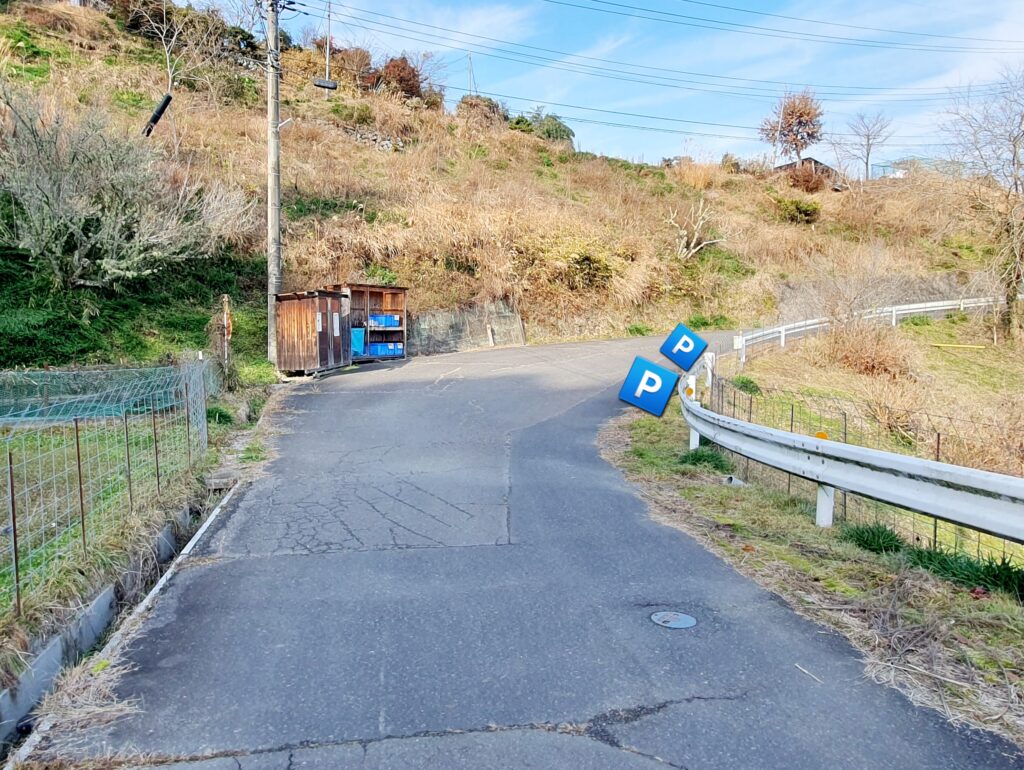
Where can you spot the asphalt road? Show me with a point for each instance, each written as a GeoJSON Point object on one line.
{"type": "Point", "coordinates": [439, 571]}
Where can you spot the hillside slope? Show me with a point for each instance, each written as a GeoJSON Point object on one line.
{"type": "Point", "coordinates": [468, 210]}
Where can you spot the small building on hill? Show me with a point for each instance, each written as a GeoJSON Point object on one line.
{"type": "Point", "coordinates": [817, 165]}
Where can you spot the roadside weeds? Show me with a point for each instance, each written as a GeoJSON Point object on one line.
{"type": "Point", "coordinates": [942, 645]}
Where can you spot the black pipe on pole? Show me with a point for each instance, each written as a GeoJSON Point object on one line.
{"type": "Point", "coordinates": [157, 114]}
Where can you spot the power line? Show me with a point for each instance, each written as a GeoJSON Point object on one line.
{"type": "Point", "coordinates": [666, 119]}
{"type": "Point", "coordinates": [660, 117]}
{"type": "Point", "coordinates": [619, 63]}
{"type": "Point", "coordinates": [751, 29]}
{"type": "Point", "coordinates": [581, 69]}
{"type": "Point", "coordinates": [850, 26]}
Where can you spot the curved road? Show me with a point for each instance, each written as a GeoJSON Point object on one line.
{"type": "Point", "coordinates": [439, 571]}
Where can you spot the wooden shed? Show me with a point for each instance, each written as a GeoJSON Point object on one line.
{"type": "Point", "coordinates": [379, 321]}
{"type": "Point", "coordinates": [313, 330]}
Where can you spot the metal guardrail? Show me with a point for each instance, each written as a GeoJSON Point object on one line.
{"type": "Point", "coordinates": [985, 501]}
{"type": "Point", "coordinates": [759, 336]}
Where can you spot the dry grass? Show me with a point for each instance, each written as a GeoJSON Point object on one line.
{"type": "Point", "coordinates": [935, 642]}
{"type": "Point", "coordinates": [471, 211]}
{"type": "Point", "coordinates": [869, 349]}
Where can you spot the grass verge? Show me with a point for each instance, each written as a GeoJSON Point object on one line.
{"type": "Point", "coordinates": [942, 643]}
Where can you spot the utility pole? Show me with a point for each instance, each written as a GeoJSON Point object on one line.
{"type": "Point", "coordinates": [273, 175]}
{"type": "Point", "coordinates": [327, 48]}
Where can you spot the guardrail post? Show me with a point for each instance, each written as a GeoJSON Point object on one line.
{"type": "Point", "coordinates": [691, 393]}
{"type": "Point", "coordinates": [825, 506]}
{"type": "Point", "coordinates": [782, 336]}
{"type": "Point", "coordinates": [743, 349]}
{"type": "Point", "coordinates": [894, 316]}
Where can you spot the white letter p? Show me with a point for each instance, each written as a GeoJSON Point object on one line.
{"type": "Point", "coordinates": [685, 345]}
{"type": "Point", "coordinates": [650, 383]}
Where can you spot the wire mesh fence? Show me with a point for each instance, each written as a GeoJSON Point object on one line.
{"type": "Point", "coordinates": [954, 440]}
{"type": "Point", "coordinates": [81, 452]}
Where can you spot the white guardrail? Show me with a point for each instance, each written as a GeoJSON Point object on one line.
{"type": "Point", "coordinates": [981, 500]}
{"type": "Point", "coordinates": [990, 502]}
{"type": "Point", "coordinates": [760, 336]}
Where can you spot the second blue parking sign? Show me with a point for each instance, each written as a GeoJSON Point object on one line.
{"type": "Point", "coordinates": [648, 386]}
{"type": "Point", "coordinates": [683, 347]}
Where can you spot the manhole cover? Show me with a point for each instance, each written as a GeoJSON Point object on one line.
{"type": "Point", "coordinates": [674, 620]}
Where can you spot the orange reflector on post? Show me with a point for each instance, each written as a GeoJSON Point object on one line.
{"type": "Point", "coordinates": [821, 434]}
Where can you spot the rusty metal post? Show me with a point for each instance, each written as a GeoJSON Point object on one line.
{"type": "Point", "coordinates": [128, 465]}
{"type": "Point", "coordinates": [12, 510]}
{"type": "Point", "coordinates": [81, 484]}
{"type": "Point", "coordinates": [156, 450]}
{"type": "Point", "coordinates": [188, 425]}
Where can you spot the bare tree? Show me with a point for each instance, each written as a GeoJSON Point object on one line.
{"type": "Point", "coordinates": [794, 125]}
{"type": "Point", "coordinates": [695, 231]}
{"type": "Point", "coordinates": [94, 208]}
{"type": "Point", "coordinates": [988, 135]}
{"type": "Point", "coordinates": [244, 14]}
{"type": "Point", "coordinates": [867, 133]}
{"type": "Point", "coordinates": [189, 39]}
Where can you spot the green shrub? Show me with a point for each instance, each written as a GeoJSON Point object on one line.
{"type": "Point", "coordinates": [218, 415]}
{"type": "Point", "coordinates": [639, 330]}
{"type": "Point", "coordinates": [700, 321]}
{"type": "Point", "coordinates": [381, 275]}
{"type": "Point", "coordinates": [992, 574]}
{"type": "Point", "coordinates": [798, 211]}
{"type": "Point", "coordinates": [916, 321]}
{"type": "Point", "coordinates": [745, 384]}
{"type": "Point", "coordinates": [360, 114]}
{"type": "Point", "coordinates": [521, 123]}
{"type": "Point", "coordinates": [876, 538]}
{"type": "Point", "coordinates": [707, 458]}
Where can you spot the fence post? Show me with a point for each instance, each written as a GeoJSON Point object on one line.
{"type": "Point", "coordinates": [128, 464]}
{"type": "Point", "coordinates": [825, 506]}
{"type": "Point", "coordinates": [156, 449]}
{"type": "Point", "coordinates": [81, 485]}
{"type": "Point", "coordinates": [12, 510]}
{"type": "Point", "coordinates": [845, 441]}
{"type": "Point", "coordinates": [789, 476]}
{"type": "Point", "coordinates": [750, 418]}
{"type": "Point", "coordinates": [188, 424]}
{"type": "Point", "coordinates": [935, 522]}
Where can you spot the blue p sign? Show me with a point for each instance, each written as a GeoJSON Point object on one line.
{"type": "Point", "coordinates": [648, 386]}
{"type": "Point", "coordinates": [683, 347]}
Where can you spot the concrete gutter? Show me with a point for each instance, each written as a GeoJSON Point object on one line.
{"type": "Point", "coordinates": [70, 646]}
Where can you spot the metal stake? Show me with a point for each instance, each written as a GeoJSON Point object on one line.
{"type": "Point", "coordinates": [81, 484]}
{"type": "Point", "coordinates": [128, 465]}
{"type": "Point", "coordinates": [12, 510]}
{"type": "Point", "coordinates": [935, 522]}
{"type": "Point", "coordinates": [156, 451]}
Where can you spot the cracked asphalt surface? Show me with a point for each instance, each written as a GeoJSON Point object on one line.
{"type": "Point", "coordinates": [439, 571]}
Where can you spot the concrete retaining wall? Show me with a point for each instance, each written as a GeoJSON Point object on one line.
{"type": "Point", "coordinates": [493, 324]}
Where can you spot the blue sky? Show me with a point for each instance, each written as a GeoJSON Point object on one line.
{"type": "Point", "coordinates": [578, 30]}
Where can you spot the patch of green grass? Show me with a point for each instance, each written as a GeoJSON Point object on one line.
{"type": "Point", "coordinates": [700, 321]}
{"type": "Point", "coordinates": [131, 102]}
{"type": "Point", "coordinates": [876, 538]}
{"type": "Point", "coordinates": [797, 210]}
{"type": "Point", "coordinates": [326, 207]}
{"type": "Point", "coordinates": [917, 320]}
{"type": "Point", "coordinates": [639, 330]}
{"type": "Point", "coordinates": [992, 574]}
{"type": "Point", "coordinates": [724, 262]}
{"type": "Point", "coordinates": [477, 152]}
{"type": "Point", "coordinates": [143, 321]}
{"type": "Point", "coordinates": [219, 415]}
{"type": "Point", "coordinates": [360, 114]}
{"type": "Point", "coordinates": [707, 458]}
{"type": "Point", "coordinates": [257, 372]}
{"type": "Point", "coordinates": [747, 385]}
{"type": "Point", "coordinates": [254, 452]}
